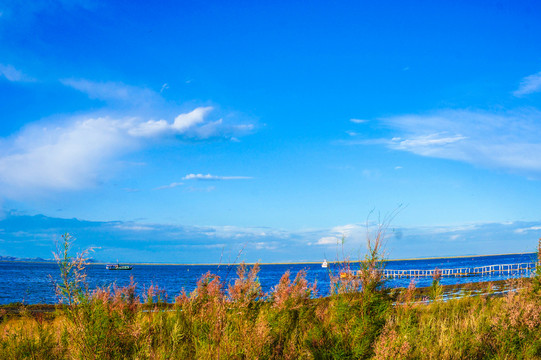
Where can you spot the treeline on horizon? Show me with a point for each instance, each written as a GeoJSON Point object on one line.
{"type": "Point", "coordinates": [361, 319]}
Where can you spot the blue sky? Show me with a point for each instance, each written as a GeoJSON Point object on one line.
{"type": "Point", "coordinates": [183, 131]}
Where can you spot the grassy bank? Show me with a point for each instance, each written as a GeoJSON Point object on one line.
{"type": "Point", "coordinates": [361, 319]}
{"type": "Point", "coordinates": [242, 323]}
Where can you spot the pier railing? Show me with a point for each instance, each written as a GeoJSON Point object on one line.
{"type": "Point", "coordinates": [508, 269]}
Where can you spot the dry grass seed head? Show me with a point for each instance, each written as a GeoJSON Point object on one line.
{"type": "Point", "coordinates": [246, 288]}
{"type": "Point", "coordinates": [293, 293]}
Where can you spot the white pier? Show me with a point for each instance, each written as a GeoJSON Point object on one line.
{"type": "Point", "coordinates": [503, 269]}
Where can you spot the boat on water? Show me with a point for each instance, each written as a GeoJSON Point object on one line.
{"type": "Point", "coordinates": [325, 264]}
{"type": "Point", "coordinates": [118, 267]}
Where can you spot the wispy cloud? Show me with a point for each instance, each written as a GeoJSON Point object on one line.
{"type": "Point", "coordinates": [57, 157]}
{"type": "Point", "coordinates": [358, 121]}
{"type": "Point", "coordinates": [170, 186]}
{"type": "Point", "coordinates": [76, 152]}
{"type": "Point", "coordinates": [134, 227]}
{"type": "Point", "coordinates": [427, 145]}
{"type": "Point", "coordinates": [138, 100]}
{"type": "Point", "coordinates": [14, 75]}
{"type": "Point", "coordinates": [505, 139]}
{"type": "Point", "coordinates": [244, 233]}
{"type": "Point", "coordinates": [210, 177]}
{"type": "Point", "coordinates": [200, 189]}
{"type": "Point", "coordinates": [178, 243]}
{"type": "Point", "coordinates": [528, 229]}
{"type": "Point", "coordinates": [111, 91]}
{"type": "Point", "coordinates": [529, 84]}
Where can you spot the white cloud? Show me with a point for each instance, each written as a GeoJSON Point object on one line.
{"type": "Point", "coordinates": [349, 230]}
{"type": "Point", "coordinates": [238, 232]}
{"type": "Point", "coordinates": [193, 124]}
{"type": "Point", "coordinates": [200, 189]}
{"type": "Point", "coordinates": [214, 177]}
{"type": "Point", "coordinates": [12, 74]}
{"type": "Point", "coordinates": [506, 140]}
{"type": "Point", "coordinates": [328, 240]}
{"type": "Point", "coordinates": [264, 245]}
{"type": "Point", "coordinates": [186, 121]}
{"type": "Point", "coordinates": [56, 158]}
{"type": "Point", "coordinates": [531, 228]}
{"type": "Point", "coordinates": [353, 235]}
{"type": "Point", "coordinates": [529, 84]}
{"type": "Point", "coordinates": [170, 186]}
{"type": "Point", "coordinates": [181, 125]}
{"type": "Point", "coordinates": [191, 244]}
{"type": "Point", "coordinates": [150, 128]}
{"type": "Point", "coordinates": [112, 91]}
{"type": "Point", "coordinates": [358, 121]}
{"type": "Point", "coordinates": [134, 227]}
{"type": "Point", "coordinates": [80, 152]}
{"type": "Point", "coordinates": [427, 141]}
{"type": "Point", "coordinates": [71, 153]}
{"type": "Point", "coordinates": [442, 229]}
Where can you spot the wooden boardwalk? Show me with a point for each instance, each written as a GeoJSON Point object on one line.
{"type": "Point", "coordinates": [507, 269]}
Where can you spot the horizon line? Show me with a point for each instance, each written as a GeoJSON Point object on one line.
{"type": "Point", "coordinates": [269, 263]}
{"type": "Point", "coordinates": [319, 262]}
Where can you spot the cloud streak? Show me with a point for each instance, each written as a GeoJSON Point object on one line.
{"type": "Point", "coordinates": [528, 85]}
{"type": "Point", "coordinates": [111, 91]}
{"type": "Point", "coordinates": [506, 139]}
{"type": "Point", "coordinates": [528, 229]}
{"type": "Point", "coordinates": [170, 186]}
{"type": "Point", "coordinates": [14, 75]}
{"type": "Point", "coordinates": [209, 177]}
{"type": "Point", "coordinates": [358, 121]}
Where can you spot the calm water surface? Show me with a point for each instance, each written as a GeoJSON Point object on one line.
{"type": "Point", "coordinates": [32, 283]}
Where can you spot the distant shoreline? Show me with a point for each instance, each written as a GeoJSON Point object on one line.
{"type": "Point", "coordinates": [334, 262]}
{"type": "Point", "coordinates": [269, 263]}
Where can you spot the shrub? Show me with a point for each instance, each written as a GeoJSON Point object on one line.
{"type": "Point", "coordinates": [72, 286]}
{"type": "Point", "coordinates": [436, 290]}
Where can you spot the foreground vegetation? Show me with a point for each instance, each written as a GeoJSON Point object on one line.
{"type": "Point", "coordinates": [236, 320]}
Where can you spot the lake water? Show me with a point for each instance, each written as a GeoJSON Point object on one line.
{"type": "Point", "coordinates": [31, 282]}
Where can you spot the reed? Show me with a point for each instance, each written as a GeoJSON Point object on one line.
{"type": "Point", "coordinates": [236, 320]}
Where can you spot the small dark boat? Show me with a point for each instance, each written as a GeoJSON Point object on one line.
{"type": "Point", "coordinates": [118, 267]}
